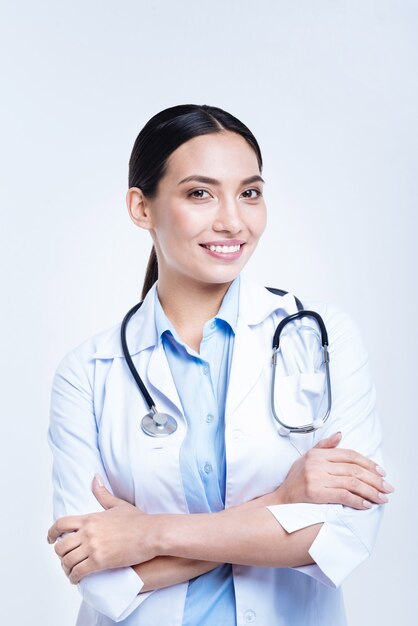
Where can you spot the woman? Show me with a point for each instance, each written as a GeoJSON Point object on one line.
{"type": "Point", "coordinates": [223, 521]}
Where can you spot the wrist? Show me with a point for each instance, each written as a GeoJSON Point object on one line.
{"type": "Point", "coordinates": [269, 499]}
{"type": "Point", "coordinates": [162, 535]}
{"type": "Point", "coordinates": [280, 495]}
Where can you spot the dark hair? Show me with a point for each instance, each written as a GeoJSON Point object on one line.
{"type": "Point", "coordinates": [165, 132]}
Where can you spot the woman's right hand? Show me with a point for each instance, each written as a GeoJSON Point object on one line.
{"type": "Point", "coordinates": [330, 475]}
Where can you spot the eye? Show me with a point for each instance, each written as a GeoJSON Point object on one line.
{"type": "Point", "coordinates": [252, 194]}
{"type": "Point", "coordinates": [198, 193]}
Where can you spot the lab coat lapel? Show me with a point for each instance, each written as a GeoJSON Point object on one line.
{"type": "Point", "coordinates": [247, 364]}
{"type": "Point", "coordinates": [160, 377]}
{"type": "Point", "coordinates": [251, 352]}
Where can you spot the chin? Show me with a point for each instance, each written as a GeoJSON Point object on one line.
{"type": "Point", "coordinates": [218, 278]}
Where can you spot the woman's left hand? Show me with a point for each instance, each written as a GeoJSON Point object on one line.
{"type": "Point", "coordinates": [121, 535]}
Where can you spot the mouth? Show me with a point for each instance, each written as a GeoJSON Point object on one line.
{"type": "Point", "coordinates": [224, 249]}
{"type": "Point", "coordinates": [232, 250]}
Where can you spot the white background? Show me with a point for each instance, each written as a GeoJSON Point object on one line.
{"type": "Point", "coordinates": [330, 90]}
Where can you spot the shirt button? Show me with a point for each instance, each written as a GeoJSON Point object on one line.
{"type": "Point", "coordinates": [213, 325]}
{"type": "Point", "coordinates": [249, 617]}
{"type": "Point", "coordinates": [236, 434]}
{"type": "Point", "coordinates": [206, 370]}
{"type": "Point", "coordinates": [207, 468]}
{"type": "Point", "coordinates": [209, 418]}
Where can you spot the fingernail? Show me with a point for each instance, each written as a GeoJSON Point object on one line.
{"type": "Point", "coordinates": [380, 470]}
{"type": "Point", "coordinates": [99, 480]}
{"type": "Point", "coordinates": [388, 487]}
{"type": "Point", "coordinates": [383, 498]}
{"type": "Point", "coordinates": [367, 504]}
{"type": "Point", "coordinates": [48, 539]}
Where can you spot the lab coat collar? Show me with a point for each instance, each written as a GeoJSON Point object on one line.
{"type": "Point", "coordinates": [256, 304]}
{"type": "Point", "coordinates": [141, 332]}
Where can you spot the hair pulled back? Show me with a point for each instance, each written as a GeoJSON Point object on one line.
{"type": "Point", "coordinates": [165, 132]}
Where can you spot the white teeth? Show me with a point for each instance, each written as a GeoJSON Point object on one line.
{"type": "Point", "coordinates": [224, 249]}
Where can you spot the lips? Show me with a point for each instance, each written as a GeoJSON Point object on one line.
{"type": "Point", "coordinates": [229, 246]}
{"type": "Point", "coordinates": [228, 250]}
{"type": "Point", "coordinates": [224, 249]}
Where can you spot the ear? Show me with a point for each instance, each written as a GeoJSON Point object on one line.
{"type": "Point", "coordinates": [138, 208]}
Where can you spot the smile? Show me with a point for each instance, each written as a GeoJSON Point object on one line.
{"type": "Point", "coordinates": [224, 249]}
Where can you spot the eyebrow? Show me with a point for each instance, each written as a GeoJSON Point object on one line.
{"type": "Point", "coordinates": [212, 181]}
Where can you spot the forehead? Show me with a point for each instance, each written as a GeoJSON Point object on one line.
{"type": "Point", "coordinates": [215, 154]}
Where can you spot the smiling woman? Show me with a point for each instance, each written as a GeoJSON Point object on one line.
{"type": "Point", "coordinates": [220, 520]}
{"type": "Point", "coordinates": [203, 236]}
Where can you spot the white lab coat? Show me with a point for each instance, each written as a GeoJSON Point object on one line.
{"type": "Point", "coordinates": [95, 427]}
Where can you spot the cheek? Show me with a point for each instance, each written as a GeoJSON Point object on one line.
{"type": "Point", "coordinates": [176, 230]}
{"type": "Point", "coordinates": [184, 225]}
{"type": "Point", "coordinates": [258, 223]}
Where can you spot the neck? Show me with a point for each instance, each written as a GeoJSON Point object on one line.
{"type": "Point", "coordinates": [190, 306]}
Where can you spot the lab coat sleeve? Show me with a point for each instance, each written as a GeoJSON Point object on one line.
{"type": "Point", "coordinates": [347, 536]}
{"type": "Point", "coordinates": [73, 439]}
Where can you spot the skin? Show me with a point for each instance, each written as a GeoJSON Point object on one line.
{"type": "Point", "coordinates": [168, 549]}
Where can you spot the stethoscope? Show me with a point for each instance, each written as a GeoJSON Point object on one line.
{"type": "Point", "coordinates": [156, 424]}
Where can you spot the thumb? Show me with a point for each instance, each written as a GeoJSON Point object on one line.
{"type": "Point", "coordinates": [103, 495]}
{"type": "Point", "coordinates": [330, 442]}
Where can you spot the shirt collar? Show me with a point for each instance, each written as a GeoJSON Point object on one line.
{"type": "Point", "coordinates": [229, 308]}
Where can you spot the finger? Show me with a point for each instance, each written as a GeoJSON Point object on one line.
{"type": "Point", "coordinates": [366, 476]}
{"type": "Point", "coordinates": [103, 495]}
{"type": "Point", "coordinates": [67, 543]}
{"type": "Point", "coordinates": [358, 488]}
{"type": "Point", "coordinates": [330, 442]}
{"type": "Point", "coordinates": [346, 498]}
{"type": "Point", "coordinates": [64, 525]}
{"type": "Point", "coordinates": [81, 570]}
{"type": "Point", "coordinates": [73, 558]}
{"type": "Point", "coordinates": [342, 455]}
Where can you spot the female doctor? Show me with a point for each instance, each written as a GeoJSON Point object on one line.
{"type": "Point", "coordinates": [223, 522]}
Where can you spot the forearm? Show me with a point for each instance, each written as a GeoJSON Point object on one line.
{"type": "Point", "coordinates": [247, 537]}
{"type": "Point", "coordinates": [164, 571]}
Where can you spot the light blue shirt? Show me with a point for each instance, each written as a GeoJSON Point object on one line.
{"type": "Point", "coordinates": [202, 381]}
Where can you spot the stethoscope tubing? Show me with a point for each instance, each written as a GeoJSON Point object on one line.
{"type": "Point", "coordinates": [156, 424]}
{"type": "Point", "coordinates": [147, 397]}
{"type": "Point", "coordinates": [299, 315]}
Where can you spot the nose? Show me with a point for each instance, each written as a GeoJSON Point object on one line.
{"type": "Point", "coordinates": [228, 217]}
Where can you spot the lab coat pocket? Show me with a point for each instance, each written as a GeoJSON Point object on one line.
{"type": "Point", "coordinates": [299, 399]}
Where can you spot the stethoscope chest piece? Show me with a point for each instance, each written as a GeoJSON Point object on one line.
{"type": "Point", "coordinates": [157, 424]}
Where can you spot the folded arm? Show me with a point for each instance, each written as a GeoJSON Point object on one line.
{"type": "Point", "coordinates": [176, 548]}
{"type": "Point", "coordinates": [242, 534]}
